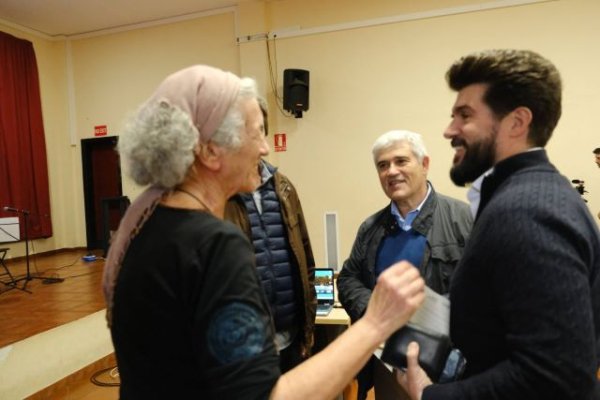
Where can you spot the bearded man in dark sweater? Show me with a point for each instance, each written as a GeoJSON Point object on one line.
{"type": "Point", "coordinates": [525, 297]}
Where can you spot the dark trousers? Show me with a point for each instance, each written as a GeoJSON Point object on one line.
{"type": "Point", "coordinates": [365, 379]}
{"type": "Point", "coordinates": [290, 356]}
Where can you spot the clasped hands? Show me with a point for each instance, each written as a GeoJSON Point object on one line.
{"type": "Point", "coordinates": [399, 292]}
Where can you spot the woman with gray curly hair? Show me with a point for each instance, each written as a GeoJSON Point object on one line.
{"type": "Point", "coordinates": [185, 307]}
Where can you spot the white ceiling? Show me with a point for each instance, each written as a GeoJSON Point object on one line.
{"type": "Point", "coordinates": [74, 17]}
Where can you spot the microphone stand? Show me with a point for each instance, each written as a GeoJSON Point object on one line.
{"type": "Point", "coordinates": [28, 277]}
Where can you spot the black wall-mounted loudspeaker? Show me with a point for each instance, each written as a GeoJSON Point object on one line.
{"type": "Point", "coordinates": [295, 91]}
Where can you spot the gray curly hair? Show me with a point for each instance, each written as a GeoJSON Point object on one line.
{"type": "Point", "coordinates": [157, 143]}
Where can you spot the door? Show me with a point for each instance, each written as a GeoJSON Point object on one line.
{"type": "Point", "coordinates": [102, 188]}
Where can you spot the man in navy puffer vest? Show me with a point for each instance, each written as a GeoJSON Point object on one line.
{"type": "Point", "coordinates": [273, 220]}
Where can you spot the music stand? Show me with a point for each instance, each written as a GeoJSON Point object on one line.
{"type": "Point", "coordinates": [9, 232]}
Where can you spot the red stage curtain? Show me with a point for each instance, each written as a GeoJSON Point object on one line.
{"type": "Point", "coordinates": [23, 163]}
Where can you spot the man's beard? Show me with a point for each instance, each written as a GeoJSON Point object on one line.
{"type": "Point", "coordinates": [478, 158]}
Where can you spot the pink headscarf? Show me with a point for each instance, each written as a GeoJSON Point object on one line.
{"type": "Point", "coordinates": [205, 94]}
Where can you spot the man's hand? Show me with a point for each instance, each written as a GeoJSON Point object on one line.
{"type": "Point", "coordinates": [414, 379]}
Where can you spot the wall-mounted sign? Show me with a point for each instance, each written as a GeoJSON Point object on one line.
{"type": "Point", "coordinates": [100, 130]}
{"type": "Point", "coordinates": [280, 142]}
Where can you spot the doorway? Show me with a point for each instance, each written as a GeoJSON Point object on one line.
{"type": "Point", "coordinates": [103, 190]}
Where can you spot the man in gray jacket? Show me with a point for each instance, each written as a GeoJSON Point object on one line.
{"type": "Point", "coordinates": [419, 225]}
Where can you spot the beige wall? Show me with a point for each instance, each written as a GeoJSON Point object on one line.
{"type": "Point", "coordinates": [364, 81]}
{"type": "Point", "coordinates": [115, 73]}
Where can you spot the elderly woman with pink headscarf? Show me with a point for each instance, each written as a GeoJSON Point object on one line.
{"type": "Point", "coordinates": [187, 313]}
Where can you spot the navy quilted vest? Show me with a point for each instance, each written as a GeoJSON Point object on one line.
{"type": "Point", "coordinates": [273, 260]}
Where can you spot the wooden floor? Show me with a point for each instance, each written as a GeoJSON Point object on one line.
{"type": "Point", "coordinates": [48, 305]}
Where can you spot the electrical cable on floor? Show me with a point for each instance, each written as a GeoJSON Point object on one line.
{"type": "Point", "coordinates": [55, 277]}
{"type": "Point", "coordinates": [113, 373]}
{"type": "Point", "coordinates": [52, 277]}
{"type": "Point", "coordinates": [87, 273]}
{"type": "Point", "coordinates": [77, 258]}
{"type": "Point", "coordinates": [96, 258]}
